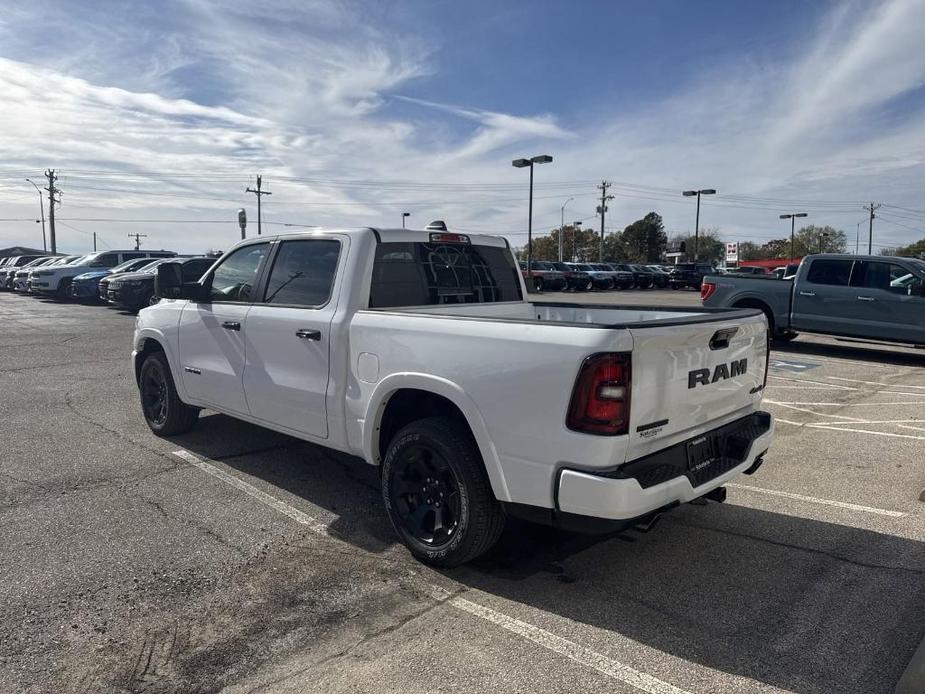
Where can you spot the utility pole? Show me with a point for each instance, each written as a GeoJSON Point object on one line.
{"type": "Point", "coordinates": [52, 190]}
{"type": "Point", "coordinates": [602, 211]}
{"type": "Point", "coordinates": [259, 193]}
{"type": "Point", "coordinates": [870, 234]}
{"type": "Point", "coordinates": [137, 237]}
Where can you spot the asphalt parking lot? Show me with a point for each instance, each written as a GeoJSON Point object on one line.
{"type": "Point", "coordinates": [233, 558]}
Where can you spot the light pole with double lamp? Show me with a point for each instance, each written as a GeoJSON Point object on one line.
{"type": "Point", "coordinates": [576, 227]}
{"type": "Point", "coordinates": [698, 193]}
{"type": "Point", "coordinates": [792, 216]}
{"type": "Point", "coordinates": [42, 210]}
{"type": "Point", "coordinates": [521, 164]}
{"type": "Point", "coordinates": [562, 228]}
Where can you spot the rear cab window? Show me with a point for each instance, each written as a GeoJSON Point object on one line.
{"type": "Point", "coordinates": [427, 274]}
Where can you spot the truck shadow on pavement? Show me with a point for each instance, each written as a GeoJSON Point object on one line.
{"type": "Point", "coordinates": [799, 604]}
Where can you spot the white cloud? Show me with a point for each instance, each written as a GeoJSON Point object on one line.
{"type": "Point", "coordinates": [217, 92]}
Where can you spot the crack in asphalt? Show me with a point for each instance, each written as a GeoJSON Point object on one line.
{"type": "Point", "coordinates": [190, 523]}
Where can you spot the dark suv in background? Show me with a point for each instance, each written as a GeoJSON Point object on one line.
{"type": "Point", "coordinates": [579, 280]}
{"type": "Point", "coordinates": [135, 290]}
{"type": "Point", "coordinates": [689, 275]}
{"type": "Point", "coordinates": [544, 277]}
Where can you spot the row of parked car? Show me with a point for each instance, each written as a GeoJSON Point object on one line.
{"type": "Point", "coordinates": [122, 278]}
{"type": "Point", "coordinates": [544, 275]}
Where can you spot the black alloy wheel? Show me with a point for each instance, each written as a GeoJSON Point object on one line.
{"type": "Point", "coordinates": [164, 412]}
{"type": "Point", "coordinates": [425, 494]}
{"type": "Point", "coordinates": [437, 493]}
{"type": "Point", "coordinates": [154, 393]}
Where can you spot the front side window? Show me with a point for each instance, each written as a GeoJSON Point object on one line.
{"type": "Point", "coordinates": [235, 279]}
{"type": "Point", "coordinates": [303, 272]}
{"type": "Point", "coordinates": [832, 272]}
{"type": "Point", "coordinates": [888, 277]}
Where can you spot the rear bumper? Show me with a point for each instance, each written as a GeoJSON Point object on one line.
{"type": "Point", "coordinates": [638, 488]}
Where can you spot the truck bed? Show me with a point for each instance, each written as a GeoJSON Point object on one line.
{"type": "Point", "coordinates": [576, 315]}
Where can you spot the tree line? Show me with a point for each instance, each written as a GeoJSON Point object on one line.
{"type": "Point", "coordinates": [646, 241]}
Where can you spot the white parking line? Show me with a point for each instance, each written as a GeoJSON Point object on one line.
{"type": "Point", "coordinates": [570, 649]}
{"type": "Point", "coordinates": [261, 496]}
{"type": "Point", "coordinates": [803, 409]}
{"type": "Point", "coordinates": [873, 383]}
{"type": "Point", "coordinates": [829, 427]}
{"type": "Point", "coordinates": [833, 386]}
{"type": "Point", "coordinates": [816, 500]}
{"type": "Point", "coordinates": [847, 404]}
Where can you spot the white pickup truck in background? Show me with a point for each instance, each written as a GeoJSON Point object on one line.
{"type": "Point", "coordinates": [417, 351]}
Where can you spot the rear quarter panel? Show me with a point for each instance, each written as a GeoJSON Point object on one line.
{"type": "Point", "coordinates": [516, 377]}
{"type": "Point", "coordinates": [732, 291]}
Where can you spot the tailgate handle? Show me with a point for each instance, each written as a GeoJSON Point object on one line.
{"type": "Point", "coordinates": [720, 339]}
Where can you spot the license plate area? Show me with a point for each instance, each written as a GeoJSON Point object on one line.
{"type": "Point", "coordinates": [701, 453]}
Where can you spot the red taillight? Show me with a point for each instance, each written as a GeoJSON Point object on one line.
{"type": "Point", "coordinates": [706, 290]}
{"type": "Point", "coordinates": [601, 399]}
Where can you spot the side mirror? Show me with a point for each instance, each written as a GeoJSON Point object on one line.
{"type": "Point", "coordinates": [169, 284]}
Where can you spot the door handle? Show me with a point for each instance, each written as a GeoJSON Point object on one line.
{"type": "Point", "coordinates": [807, 293]}
{"type": "Point", "coordinates": [231, 325]}
{"type": "Point", "coordinates": [865, 298]}
{"type": "Point", "coordinates": [308, 334]}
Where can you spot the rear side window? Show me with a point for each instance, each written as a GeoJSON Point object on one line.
{"type": "Point", "coordinates": [303, 272]}
{"type": "Point", "coordinates": [426, 274]}
{"type": "Point", "coordinates": [835, 272]}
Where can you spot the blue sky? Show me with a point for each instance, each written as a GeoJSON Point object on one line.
{"type": "Point", "coordinates": [355, 111]}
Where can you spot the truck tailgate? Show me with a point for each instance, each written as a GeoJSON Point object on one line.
{"type": "Point", "coordinates": [691, 377]}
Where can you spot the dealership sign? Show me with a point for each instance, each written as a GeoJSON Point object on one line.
{"type": "Point", "coordinates": [732, 252]}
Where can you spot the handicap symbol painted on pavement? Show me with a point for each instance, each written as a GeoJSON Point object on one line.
{"type": "Point", "coordinates": [792, 366]}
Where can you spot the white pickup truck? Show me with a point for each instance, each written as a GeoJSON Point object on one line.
{"type": "Point", "coordinates": [417, 351]}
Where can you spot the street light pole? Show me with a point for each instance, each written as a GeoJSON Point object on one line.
{"type": "Point", "coordinates": [792, 217]}
{"type": "Point", "coordinates": [576, 227]}
{"type": "Point", "coordinates": [562, 227]}
{"type": "Point", "coordinates": [42, 210]}
{"type": "Point", "coordinates": [403, 216]}
{"type": "Point", "coordinates": [698, 193]}
{"type": "Point", "coordinates": [520, 164]}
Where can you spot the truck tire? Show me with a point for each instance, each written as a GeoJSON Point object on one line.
{"type": "Point", "coordinates": [537, 284]}
{"type": "Point", "coordinates": [164, 412]}
{"type": "Point", "coordinates": [437, 493]}
{"type": "Point", "coordinates": [786, 336]}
